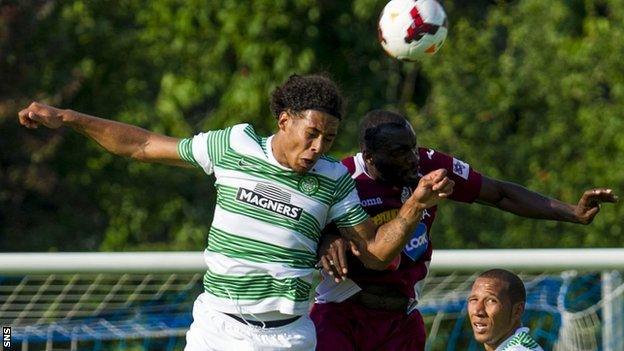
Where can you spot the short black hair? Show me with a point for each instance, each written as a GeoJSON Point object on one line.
{"type": "Point", "coordinates": [310, 92]}
{"type": "Point", "coordinates": [515, 286]}
{"type": "Point", "coordinates": [374, 122]}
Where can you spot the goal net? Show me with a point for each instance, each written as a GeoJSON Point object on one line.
{"type": "Point", "coordinates": [99, 301]}
{"type": "Point", "coordinates": [143, 301]}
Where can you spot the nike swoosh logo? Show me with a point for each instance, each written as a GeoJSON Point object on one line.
{"type": "Point", "coordinates": [243, 164]}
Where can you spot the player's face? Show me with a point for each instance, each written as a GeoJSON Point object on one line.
{"type": "Point", "coordinates": [492, 317]}
{"type": "Point", "coordinates": [396, 159]}
{"type": "Point", "coordinates": [307, 135]}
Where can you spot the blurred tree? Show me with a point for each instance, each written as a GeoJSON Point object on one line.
{"type": "Point", "coordinates": [531, 94]}
{"type": "Point", "coordinates": [523, 90]}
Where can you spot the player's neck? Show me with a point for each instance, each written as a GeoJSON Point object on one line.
{"type": "Point", "coordinates": [374, 174]}
{"type": "Point", "coordinates": [493, 346]}
{"type": "Point", "coordinates": [277, 148]}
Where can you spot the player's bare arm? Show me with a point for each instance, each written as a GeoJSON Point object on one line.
{"type": "Point", "coordinates": [115, 137]}
{"type": "Point", "coordinates": [519, 200]}
{"type": "Point", "coordinates": [379, 246]}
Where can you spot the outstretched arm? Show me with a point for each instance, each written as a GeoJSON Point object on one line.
{"type": "Point", "coordinates": [117, 138]}
{"type": "Point", "coordinates": [379, 246]}
{"type": "Point", "coordinates": [519, 200]}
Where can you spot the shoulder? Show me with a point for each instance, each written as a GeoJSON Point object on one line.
{"type": "Point", "coordinates": [356, 166]}
{"type": "Point", "coordinates": [244, 131]}
{"type": "Point", "coordinates": [350, 163]}
{"type": "Point", "coordinates": [522, 341]}
{"type": "Point", "coordinates": [523, 348]}
{"type": "Point", "coordinates": [431, 159]}
{"type": "Point", "coordinates": [330, 168]}
{"type": "Point", "coordinates": [243, 139]}
{"type": "Point", "coordinates": [221, 136]}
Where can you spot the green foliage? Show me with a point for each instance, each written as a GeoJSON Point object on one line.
{"type": "Point", "coordinates": [527, 91]}
{"type": "Point", "coordinates": [527, 98]}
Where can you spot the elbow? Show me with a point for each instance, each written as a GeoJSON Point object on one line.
{"type": "Point", "coordinates": [378, 260]}
{"type": "Point", "coordinates": [135, 152]}
{"type": "Point", "coordinates": [137, 156]}
{"type": "Point", "coordinates": [376, 264]}
{"type": "Point", "coordinates": [139, 153]}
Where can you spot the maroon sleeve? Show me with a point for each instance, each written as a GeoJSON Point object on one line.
{"type": "Point", "coordinates": [349, 162]}
{"type": "Point", "coordinates": [467, 180]}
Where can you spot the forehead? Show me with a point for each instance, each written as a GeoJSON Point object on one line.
{"type": "Point", "coordinates": [392, 137]}
{"type": "Point", "coordinates": [489, 286]}
{"type": "Point", "coordinates": [320, 121]}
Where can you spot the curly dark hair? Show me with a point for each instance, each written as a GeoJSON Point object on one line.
{"type": "Point", "coordinates": [310, 92]}
{"type": "Point", "coordinates": [374, 123]}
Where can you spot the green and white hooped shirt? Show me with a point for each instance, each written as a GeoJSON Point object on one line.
{"type": "Point", "coordinates": [520, 341]}
{"type": "Point", "coordinates": [267, 222]}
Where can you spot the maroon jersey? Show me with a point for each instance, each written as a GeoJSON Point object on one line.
{"type": "Point", "coordinates": [382, 203]}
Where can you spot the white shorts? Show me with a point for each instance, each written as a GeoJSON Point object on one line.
{"type": "Point", "coordinates": [213, 330]}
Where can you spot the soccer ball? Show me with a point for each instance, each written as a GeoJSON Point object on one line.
{"type": "Point", "coordinates": [410, 30]}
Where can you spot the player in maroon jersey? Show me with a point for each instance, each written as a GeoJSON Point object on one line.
{"type": "Point", "coordinates": [376, 310]}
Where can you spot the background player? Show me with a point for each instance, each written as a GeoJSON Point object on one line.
{"type": "Point", "coordinates": [495, 307]}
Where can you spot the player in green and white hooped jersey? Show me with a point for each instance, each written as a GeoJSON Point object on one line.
{"type": "Point", "coordinates": [495, 307]}
{"type": "Point", "coordinates": [274, 195]}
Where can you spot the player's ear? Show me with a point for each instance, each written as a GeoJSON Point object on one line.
{"type": "Point", "coordinates": [282, 120]}
{"type": "Point", "coordinates": [517, 311]}
{"type": "Point", "coordinates": [367, 156]}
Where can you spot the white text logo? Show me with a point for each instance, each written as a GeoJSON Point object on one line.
{"type": "Point", "coordinates": [264, 202]}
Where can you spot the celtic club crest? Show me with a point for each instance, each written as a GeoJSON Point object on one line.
{"type": "Point", "coordinates": [308, 184]}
